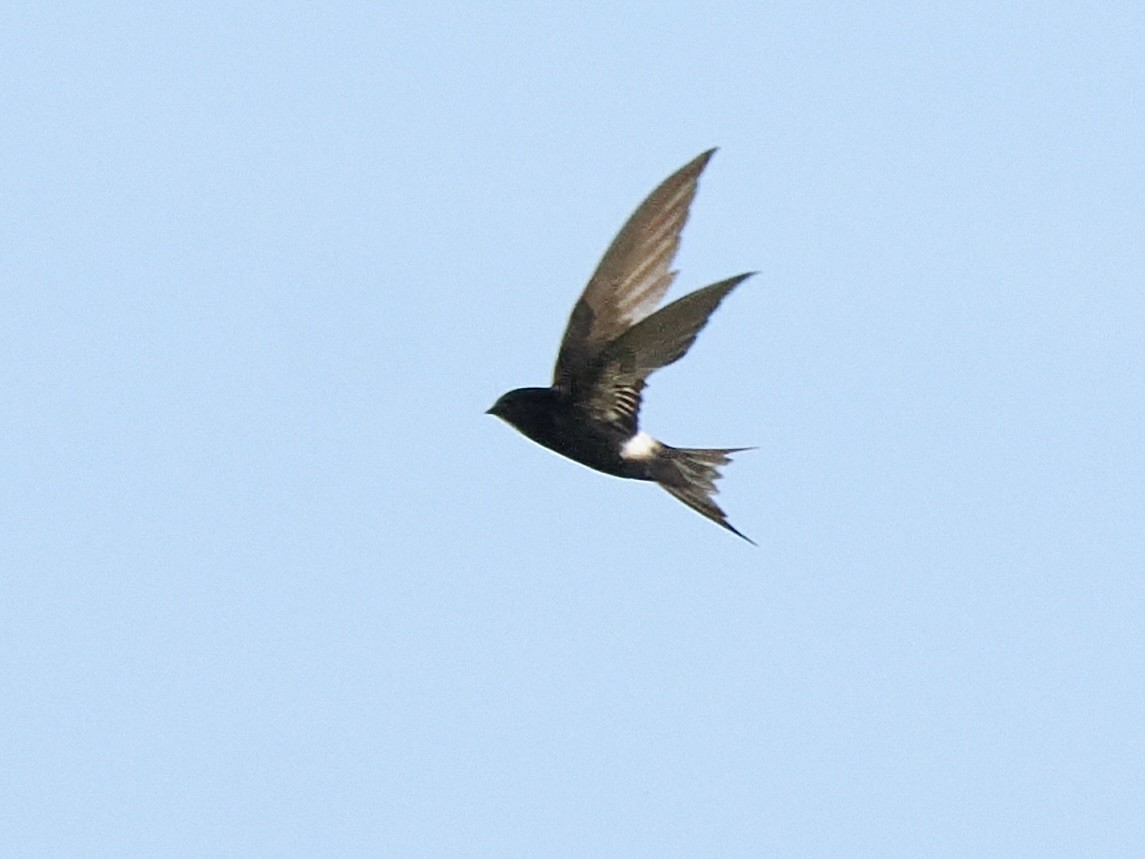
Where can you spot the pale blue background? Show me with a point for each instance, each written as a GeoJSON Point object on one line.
{"type": "Point", "coordinates": [273, 585]}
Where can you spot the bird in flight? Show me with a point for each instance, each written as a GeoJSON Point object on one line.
{"type": "Point", "coordinates": [614, 340]}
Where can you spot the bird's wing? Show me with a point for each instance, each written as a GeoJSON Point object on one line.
{"type": "Point", "coordinates": [611, 392]}
{"type": "Point", "coordinates": [667, 335]}
{"type": "Point", "coordinates": [632, 276]}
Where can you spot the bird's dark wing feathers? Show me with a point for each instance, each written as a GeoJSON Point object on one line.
{"type": "Point", "coordinates": [632, 276]}
{"type": "Point", "coordinates": [617, 404]}
{"type": "Point", "coordinates": [667, 335]}
{"type": "Point", "coordinates": [612, 394]}
{"type": "Point", "coordinates": [612, 391]}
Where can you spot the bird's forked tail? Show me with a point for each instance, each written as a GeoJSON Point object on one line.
{"type": "Point", "coordinates": [690, 474]}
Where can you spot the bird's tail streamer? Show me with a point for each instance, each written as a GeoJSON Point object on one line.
{"type": "Point", "coordinates": [690, 474]}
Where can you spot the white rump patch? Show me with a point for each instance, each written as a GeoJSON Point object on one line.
{"type": "Point", "coordinates": [640, 446]}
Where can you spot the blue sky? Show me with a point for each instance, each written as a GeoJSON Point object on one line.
{"type": "Point", "coordinates": [273, 584]}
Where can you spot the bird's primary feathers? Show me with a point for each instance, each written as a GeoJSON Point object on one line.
{"type": "Point", "coordinates": [614, 340]}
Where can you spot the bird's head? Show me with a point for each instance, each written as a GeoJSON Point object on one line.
{"type": "Point", "coordinates": [521, 407]}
